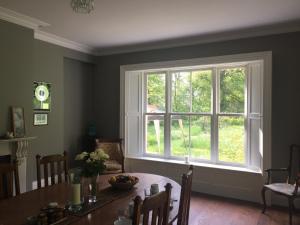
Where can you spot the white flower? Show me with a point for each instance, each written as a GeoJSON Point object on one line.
{"type": "Point", "coordinates": [81, 156]}
{"type": "Point", "coordinates": [101, 154]}
{"type": "Point", "coordinates": [88, 160]}
{"type": "Point", "coordinates": [94, 156]}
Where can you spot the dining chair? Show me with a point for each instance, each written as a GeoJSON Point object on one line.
{"type": "Point", "coordinates": [60, 171]}
{"type": "Point", "coordinates": [288, 189]}
{"type": "Point", "coordinates": [156, 208]}
{"type": "Point", "coordinates": [112, 147]}
{"type": "Point", "coordinates": [7, 172]}
{"type": "Point", "coordinates": [185, 197]}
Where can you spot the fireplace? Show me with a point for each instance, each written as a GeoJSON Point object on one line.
{"type": "Point", "coordinates": [5, 158]}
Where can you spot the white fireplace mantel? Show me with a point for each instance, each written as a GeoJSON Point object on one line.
{"type": "Point", "coordinates": [18, 149]}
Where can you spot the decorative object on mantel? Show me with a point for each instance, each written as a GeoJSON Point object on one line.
{"type": "Point", "coordinates": [41, 96]}
{"type": "Point", "coordinates": [18, 121]}
{"type": "Point", "coordinates": [92, 165]}
{"type": "Point", "coordinates": [82, 6]}
{"type": "Point", "coordinates": [9, 135]}
{"type": "Point", "coordinates": [40, 119]}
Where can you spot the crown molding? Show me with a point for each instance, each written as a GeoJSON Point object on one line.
{"type": "Point", "coordinates": [35, 24]}
{"type": "Point", "coordinates": [63, 42]}
{"type": "Point", "coordinates": [292, 26]}
{"type": "Point", "coordinates": [21, 19]}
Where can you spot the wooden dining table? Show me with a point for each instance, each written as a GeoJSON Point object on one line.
{"type": "Point", "coordinates": [15, 210]}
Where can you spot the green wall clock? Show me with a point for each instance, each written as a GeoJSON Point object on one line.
{"type": "Point", "coordinates": [41, 96]}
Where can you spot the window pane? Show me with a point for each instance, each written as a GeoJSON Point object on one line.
{"type": "Point", "coordinates": [181, 91]}
{"type": "Point", "coordinates": [231, 139]}
{"type": "Point", "coordinates": [201, 91]}
{"type": "Point", "coordinates": [179, 135]}
{"type": "Point", "coordinates": [155, 134]}
{"type": "Point", "coordinates": [200, 137]}
{"type": "Point", "coordinates": [232, 93]}
{"type": "Point", "coordinates": [156, 84]}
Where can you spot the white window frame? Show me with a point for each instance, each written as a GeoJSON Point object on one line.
{"type": "Point", "coordinates": [204, 63]}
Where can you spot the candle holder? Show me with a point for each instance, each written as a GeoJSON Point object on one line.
{"type": "Point", "coordinates": [76, 196]}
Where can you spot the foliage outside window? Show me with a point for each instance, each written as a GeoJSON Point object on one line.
{"type": "Point", "coordinates": [187, 112]}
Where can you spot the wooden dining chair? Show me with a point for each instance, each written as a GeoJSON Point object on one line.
{"type": "Point", "coordinates": [113, 148]}
{"type": "Point", "coordinates": [156, 206]}
{"type": "Point", "coordinates": [60, 172]}
{"type": "Point", "coordinates": [7, 172]}
{"type": "Point", "coordinates": [290, 188]}
{"type": "Point", "coordinates": [185, 197]}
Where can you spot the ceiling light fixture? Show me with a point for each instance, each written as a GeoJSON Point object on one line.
{"type": "Point", "coordinates": [82, 6]}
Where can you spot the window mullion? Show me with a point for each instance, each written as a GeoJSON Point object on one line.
{"type": "Point", "coordinates": [246, 117]}
{"type": "Point", "coordinates": [191, 110]}
{"type": "Point", "coordinates": [167, 141]}
{"type": "Point", "coordinates": [144, 109]}
{"type": "Point", "coordinates": [214, 122]}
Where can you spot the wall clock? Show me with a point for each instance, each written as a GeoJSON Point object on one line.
{"type": "Point", "coordinates": [41, 96]}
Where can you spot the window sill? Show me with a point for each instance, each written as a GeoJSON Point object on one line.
{"type": "Point", "coordinates": [198, 164]}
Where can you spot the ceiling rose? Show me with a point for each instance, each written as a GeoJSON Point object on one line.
{"type": "Point", "coordinates": [82, 6]}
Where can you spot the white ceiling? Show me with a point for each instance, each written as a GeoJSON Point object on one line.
{"type": "Point", "coordinates": [133, 22]}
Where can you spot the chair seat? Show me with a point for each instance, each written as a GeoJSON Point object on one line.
{"type": "Point", "coordinates": [283, 188]}
{"type": "Point", "coordinates": [112, 165]}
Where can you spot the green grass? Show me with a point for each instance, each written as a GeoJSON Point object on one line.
{"type": "Point", "coordinates": [231, 139]}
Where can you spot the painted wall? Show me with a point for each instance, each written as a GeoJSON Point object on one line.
{"type": "Point", "coordinates": [285, 106]}
{"type": "Point", "coordinates": [78, 104]}
{"type": "Point", "coordinates": [22, 61]}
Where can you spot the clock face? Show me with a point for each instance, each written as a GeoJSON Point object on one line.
{"type": "Point", "coordinates": [41, 93]}
{"type": "Point", "coordinates": [41, 96]}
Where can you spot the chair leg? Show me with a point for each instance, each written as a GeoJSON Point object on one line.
{"type": "Point", "coordinates": [263, 195]}
{"type": "Point", "coordinates": [291, 209]}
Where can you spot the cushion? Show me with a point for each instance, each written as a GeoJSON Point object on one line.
{"type": "Point", "coordinates": [112, 165]}
{"type": "Point", "coordinates": [283, 188]}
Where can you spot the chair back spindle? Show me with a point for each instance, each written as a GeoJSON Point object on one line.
{"type": "Point", "coordinates": [185, 197]}
{"type": "Point", "coordinates": [52, 162]}
{"type": "Point", "coordinates": [155, 209]}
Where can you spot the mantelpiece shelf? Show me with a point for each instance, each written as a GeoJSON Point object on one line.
{"type": "Point", "coordinates": [17, 139]}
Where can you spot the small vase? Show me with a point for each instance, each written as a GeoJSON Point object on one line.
{"type": "Point", "coordinates": [93, 189]}
{"type": "Point", "coordinates": [90, 189]}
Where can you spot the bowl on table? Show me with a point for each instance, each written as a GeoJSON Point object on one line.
{"type": "Point", "coordinates": [123, 182]}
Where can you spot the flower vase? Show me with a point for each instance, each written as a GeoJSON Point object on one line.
{"type": "Point", "coordinates": [93, 189]}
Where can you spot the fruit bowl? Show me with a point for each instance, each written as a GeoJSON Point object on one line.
{"type": "Point", "coordinates": [123, 182]}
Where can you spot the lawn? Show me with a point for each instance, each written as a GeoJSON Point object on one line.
{"type": "Point", "coordinates": [231, 138]}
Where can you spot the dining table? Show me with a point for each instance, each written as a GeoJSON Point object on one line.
{"type": "Point", "coordinates": [16, 210]}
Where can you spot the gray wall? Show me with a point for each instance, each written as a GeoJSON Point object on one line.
{"type": "Point", "coordinates": [78, 104]}
{"type": "Point", "coordinates": [286, 79]}
{"type": "Point", "coordinates": [22, 61]}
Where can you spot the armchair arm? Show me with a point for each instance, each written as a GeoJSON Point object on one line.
{"type": "Point", "coordinates": [269, 171]}
{"type": "Point", "coordinates": [297, 183]}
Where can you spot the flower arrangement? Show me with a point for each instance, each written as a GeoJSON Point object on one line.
{"type": "Point", "coordinates": [93, 162]}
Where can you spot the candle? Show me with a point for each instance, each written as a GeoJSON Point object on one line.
{"type": "Point", "coordinates": [187, 159]}
{"type": "Point", "coordinates": [76, 194]}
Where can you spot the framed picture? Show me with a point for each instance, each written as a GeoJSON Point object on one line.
{"type": "Point", "coordinates": [18, 121]}
{"type": "Point", "coordinates": [41, 96]}
{"type": "Point", "coordinates": [40, 119]}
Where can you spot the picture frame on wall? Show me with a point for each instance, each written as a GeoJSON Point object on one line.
{"type": "Point", "coordinates": [40, 119]}
{"type": "Point", "coordinates": [18, 121]}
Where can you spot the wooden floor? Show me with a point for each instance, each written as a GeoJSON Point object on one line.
{"type": "Point", "coordinates": [210, 210]}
